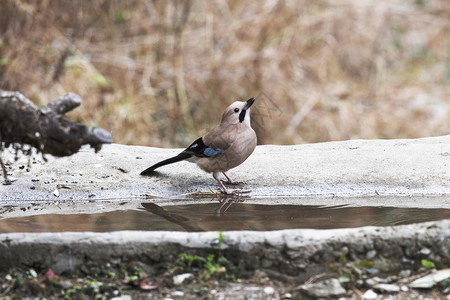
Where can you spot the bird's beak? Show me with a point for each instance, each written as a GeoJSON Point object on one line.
{"type": "Point", "coordinates": [249, 103]}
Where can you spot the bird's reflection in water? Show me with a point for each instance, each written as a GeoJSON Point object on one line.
{"type": "Point", "coordinates": [223, 213]}
{"type": "Point", "coordinates": [188, 224]}
{"type": "Point", "coordinates": [226, 202]}
{"type": "Point", "coordinates": [171, 217]}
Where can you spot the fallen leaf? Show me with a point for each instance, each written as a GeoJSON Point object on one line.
{"type": "Point", "coordinates": [50, 274]}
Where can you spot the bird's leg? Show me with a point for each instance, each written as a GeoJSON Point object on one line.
{"type": "Point", "coordinates": [223, 189]}
{"type": "Point", "coordinates": [229, 180]}
{"type": "Point", "coordinates": [222, 204]}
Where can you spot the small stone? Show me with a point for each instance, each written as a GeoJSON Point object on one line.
{"type": "Point", "coordinates": [370, 282]}
{"type": "Point", "coordinates": [8, 277]}
{"type": "Point", "coordinates": [327, 288]}
{"type": "Point", "coordinates": [287, 296]}
{"type": "Point", "coordinates": [123, 297]}
{"type": "Point", "coordinates": [404, 288]}
{"type": "Point", "coordinates": [406, 260]}
{"type": "Point", "coordinates": [268, 290]}
{"type": "Point", "coordinates": [179, 279]}
{"type": "Point", "coordinates": [387, 288]}
{"type": "Point", "coordinates": [66, 284]}
{"type": "Point", "coordinates": [405, 273]}
{"type": "Point", "coordinates": [391, 279]}
{"type": "Point", "coordinates": [425, 251]}
{"type": "Point", "coordinates": [369, 294]}
{"type": "Point", "coordinates": [431, 279]}
{"type": "Point", "coordinates": [56, 193]}
{"type": "Point", "coordinates": [177, 293]}
{"type": "Point", "coordinates": [371, 254]}
{"type": "Point", "coordinates": [379, 279]}
{"type": "Point", "coordinates": [372, 271]}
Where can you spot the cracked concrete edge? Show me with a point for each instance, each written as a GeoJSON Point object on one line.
{"type": "Point", "coordinates": [299, 252]}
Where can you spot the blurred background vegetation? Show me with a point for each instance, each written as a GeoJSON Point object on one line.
{"type": "Point", "coordinates": [160, 73]}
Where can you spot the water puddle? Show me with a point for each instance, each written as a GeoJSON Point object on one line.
{"type": "Point", "coordinates": [228, 215]}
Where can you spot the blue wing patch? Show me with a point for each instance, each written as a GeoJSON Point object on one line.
{"type": "Point", "coordinates": [199, 149]}
{"type": "Point", "coordinates": [212, 152]}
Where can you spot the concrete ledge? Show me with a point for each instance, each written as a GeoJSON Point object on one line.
{"type": "Point", "coordinates": [299, 253]}
{"type": "Point", "coordinates": [355, 168]}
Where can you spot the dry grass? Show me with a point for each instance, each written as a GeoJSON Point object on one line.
{"type": "Point", "coordinates": [160, 72]}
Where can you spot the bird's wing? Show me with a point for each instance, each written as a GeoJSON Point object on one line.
{"type": "Point", "coordinates": [220, 137]}
{"type": "Point", "coordinates": [199, 149]}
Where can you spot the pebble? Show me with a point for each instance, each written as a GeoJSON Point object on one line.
{"type": "Point", "coordinates": [327, 288]}
{"type": "Point", "coordinates": [179, 279]}
{"type": "Point", "coordinates": [387, 288]}
{"type": "Point", "coordinates": [66, 284]}
{"type": "Point", "coordinates": [425, 251]}
{"type": "Point", "coordinates": [268, 290]}
{"type": "Point", "coordinates": [123, 297]}
{"type": "Point", "coordinates": [370, 282]}
{"type": "Point", "coordinates": [369, 294]}
{"type": "Point", "coordinates": [431, 279]}
{"type": "Point", "coordinates": [405, 273]}
{"type": "Point", "coordinates": [371, 254]}
{"type": "Point", "coordinates": [177, 293]}
{"type": "Point", "coordinates": [372, 271]}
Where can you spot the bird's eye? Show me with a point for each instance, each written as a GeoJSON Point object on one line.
{"type": "Point", "coordinates": [236, 110]}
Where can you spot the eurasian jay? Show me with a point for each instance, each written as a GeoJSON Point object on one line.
{"type": "Point", "coordinates": [225, 147]}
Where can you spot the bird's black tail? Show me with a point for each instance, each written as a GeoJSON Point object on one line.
{"type": "Point", "coordinates": [179, 157]}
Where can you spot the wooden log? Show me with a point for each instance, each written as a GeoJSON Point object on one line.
{"type": "Point", "coordinates": [45, 128]}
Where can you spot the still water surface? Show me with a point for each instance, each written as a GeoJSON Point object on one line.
{"type": "Point", "coordinates": [223, 216]}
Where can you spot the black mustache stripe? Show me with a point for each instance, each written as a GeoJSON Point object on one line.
{"type": "Point", "coordinates": [242, 115]}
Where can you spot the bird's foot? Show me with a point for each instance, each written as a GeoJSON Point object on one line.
{"type": "Point", "coordinates": [226, 191]}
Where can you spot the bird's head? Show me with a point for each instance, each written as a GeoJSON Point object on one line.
{"type": "Point", "coordinates": [238, 112]}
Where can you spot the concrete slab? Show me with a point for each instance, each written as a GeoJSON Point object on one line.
{"type": "Point", "coordinates": [355, 168]}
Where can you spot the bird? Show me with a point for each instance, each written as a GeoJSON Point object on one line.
{"type": "Point", "coordinates": [225, 147]}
